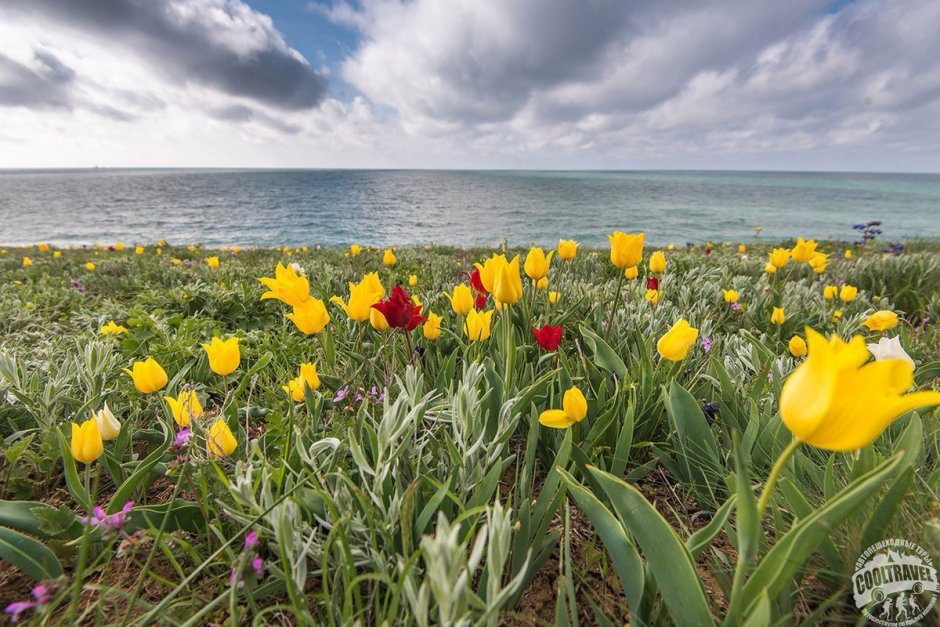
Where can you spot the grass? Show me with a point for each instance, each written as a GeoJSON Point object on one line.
{"type": "Point", "coordinates": [416, 485]}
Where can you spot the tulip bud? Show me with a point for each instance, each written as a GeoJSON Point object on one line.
{"type": "Point", "coordinates": [657, 262]}
{"type": "Point", "coordinates": [848, 293]}
{"type": "Point", "coordinates": [220, 441]}
{"type": "Point", "coordinates": [224, 356]}
{"type": "Point", "coordinates": [148, 375]}
{"type": "Point", "coordinates": [108, 425]}
{"type": "Point", "coordinates": [778, 317]}
{"type": "Point", "coordinates": [797, 346]}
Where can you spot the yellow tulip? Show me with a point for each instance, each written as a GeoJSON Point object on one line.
{"type": "Point", "coordinates": [657, 262]}
{"type": "Point", "coordinates": [555, 418]}
{"type": "Point", "coordinates": [797, 346]}
{"type": "Point", "coordinates": [461, 301]}
{"type": "Point", "coordinates": [43, 247]}
{"type": "Point", "coordinates": [542, 283]}
{"type": "Point", "coordinates": [742, 248]}
{"type": "Point", "coordinates": [848, 254]}
{"type": "Point", "coordinates": [779, 257]}
{"type": "Point", "coordinates": [310, 316]}
{"type": "Point", "coordinates": [86, 444]}
{"type": "Point", "coordinates": [731, 296]}
{"type": "Point", "coordinates": [574, 404]}
{"type": "Point", "coordinates": [567, 249]}
{"type": "Point", "coordinates": [836, 401]}
{"type": "Point", "coordinates": [778, 317]}
{"type": "Point", "coordinates": [355, 249]}
{"type": "Point", "coordinates": [184, 407]}
{"type": "Point", "coordinates": [212, 261]}
{"type": "Point", "coordinates": [286, 286]}
{"type": "Point", "coordinates": [652, 296]}
{"type": "Point", "coordinates": [139, 250]}
{"type": "Point", "coordinates": [675, 344]}
{"type": "Point", "coordinates": [631, 273]}
{"type": "Point", "coordinates": [119, 246]}
{"type": "Point", "coordinates": [883, 320]}
{"type": "Point", "coordinates": [57, 253]}
{"type": "Point", "coordinates": [537, 263]}
{"type": "Point", "coordinates": [848, 293]}
{"type": "Point", "coordinates": [362, 296]}
{"type": "Point", "coordinates": [148, 375]}
{"type": "Point", "coordinates": [489, 269]}
{"type": "Point", "coordinates": [553, 297]}
{"type": "Point", "coordinates": [836, 314]}
{"type": "Point", "coordinates": [90, 266]}
{"type": "Point", "coordinates": [175, 261]}
{"type": "Point", "coordinates": [770, 268]}
{"type": "Point", "coordinates": [507, 286]}
{"type": "Point", "coordinates": [818, 262]}
{"type": "Point", "coordinates": [308, 378]}
{"type": "Point", "coordinates": [477, 324]}
{"type": "Point", "coordinates": [626, 249]}
{"type": "Point", "coordinates": [377, 320]}
{"type": "Point", "coordinates": [224, 356]}
{"type": "Point", "coordinates": [112, 328]}
{"type": "Point", "coordinates": [412, 280]}
{"type": "Point", "coordinates": [830, 292]}
{"type": "Point", "coordinates": [220, 441]}
{"type": "Point", "coordinates": [372, 282]}
{"type": "Point", "coordinates": [574, 410]}
{"type": "Point", "coordinates": [27, 262]}
{"type": "Point", "coordinates": [389, 258]}
{"type": "Point", "coordinates": [804, 250]}
{"type": "Point", "coordinates": [432, 327]}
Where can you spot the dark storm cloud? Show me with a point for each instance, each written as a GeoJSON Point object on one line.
{"type": "Point", "coordinates": [44, 85]}
{"type": "Point", "coordinates": [222, 44]}
{"type": "Point", "coordinates": [240, 114]}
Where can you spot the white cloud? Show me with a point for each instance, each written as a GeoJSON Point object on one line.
{"type": "Point", "coordinates": [477, 83]}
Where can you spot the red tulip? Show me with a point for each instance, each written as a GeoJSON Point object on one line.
{"type": "Point", "coordinates": [652, 284]}
{"type": "Point", "coordinates": [548, 337]}
{"type": "Point", "coordinates": [480, 302]}
{"type": "Point", "coordinates": [399, 311]}
{"type": "Point", "coordinates": [476, 282]}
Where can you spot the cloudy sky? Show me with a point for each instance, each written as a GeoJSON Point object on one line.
{"type": "Point", "coordinates": [795, 84]}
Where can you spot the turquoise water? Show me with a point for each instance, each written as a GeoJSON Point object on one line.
{"type": "Point", "coordinates": [330, 207]}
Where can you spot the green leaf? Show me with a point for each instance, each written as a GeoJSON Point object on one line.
{"type": "Point", "coordinates": [142, 473]}
{"type": "Point", "coordinates": [699, 457]}
{"type": "Point", "coordinates": [619, 546]}
{"type": "Point", "coordinates": [72, 480]}
{"type": "Point", "coordinates": [604, 355]}
{"type": "Point", "coordinates": [700, 540]}
{"type": "Point", "coordinates": [669, 560]}
{"type": "Point", "coordinates": [29, 555]}
{"type": "Point", "coordinates": [789, 554]}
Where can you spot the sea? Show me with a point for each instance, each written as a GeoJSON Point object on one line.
{"type": "Point", "coordinates": [465, 208]}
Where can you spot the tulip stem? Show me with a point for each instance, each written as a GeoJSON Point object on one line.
{"type": "Point", "coordinates": [156, 542]}
{"type": "Point", "coordinates": [774, 475]}
{"type": "Point", "coordinates": [613, 303]}
{"type": "Point", "coordinates": [79, 573]}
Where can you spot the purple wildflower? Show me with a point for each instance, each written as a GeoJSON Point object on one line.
{"type": "Point", "coordinates": [257, 565]}
{"type": "Point", "coordinates": [183, 438]}
{"type": "Point", "coordinates": [736, 306]}
{"type": "Point", "coordinates": [251, 540]}
{"type": "Point", "coordinates": [42, 594]}
{"type": "Point", "coordinates": [706, 344]}
{"type": "Point", "coordinates": [78, 285]}
{"type": "Point", "coordinates": [341, 394]}
{"type": "Point", "coordinates": [109, 522]}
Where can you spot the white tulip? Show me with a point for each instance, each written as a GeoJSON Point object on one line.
{"type": "Point", "coordinates": [108, 425]}
{"type": "Point", "coordinates": [296, 267]}
{"type": "Point", "coordinates": [890, 349]}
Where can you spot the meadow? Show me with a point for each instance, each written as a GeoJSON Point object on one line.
{"type": "Point", "coordinates": [690, 435]}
